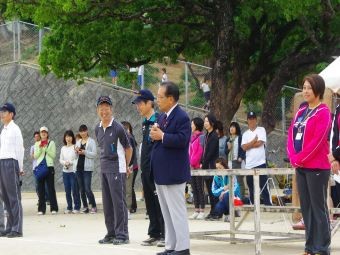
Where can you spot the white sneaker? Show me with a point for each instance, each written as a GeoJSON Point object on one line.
{"type": "Point", "coordinates": [201, 216]}
{"type": "Point", "coordinates": [40, 213]}
{"type": "Point", "coordinates": [75, 211]}
{"type": "Point", "coordinates": [54, 212]}
{"type": "Point", "coordinates": [67, 211]}
{"type": "Point", "coordinates": [194, 216]}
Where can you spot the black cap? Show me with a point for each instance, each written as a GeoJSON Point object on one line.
{"type": "Point", "coordinates": [8, 107]}
{"type": "Point", "coordinates": [143, 95]}
{"type": "Point", "coordinates": [251, 115]}
{"type": "Point", "coordinates": [104, 99]}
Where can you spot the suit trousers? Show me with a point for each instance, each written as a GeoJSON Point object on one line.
{"type": "Point", "coordinates": [172, 201]}
{"type": "Point", "coordinates": [11, 194]}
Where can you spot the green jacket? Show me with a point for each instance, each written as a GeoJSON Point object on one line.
{"type": "Point", "coordinates": [39, 153]}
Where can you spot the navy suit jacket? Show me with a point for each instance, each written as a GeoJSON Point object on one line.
{"type": "Point", "coordinates": [170, 158]}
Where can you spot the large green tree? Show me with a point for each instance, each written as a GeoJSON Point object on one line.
{"type": "Point", "coordinates": [249, 43]}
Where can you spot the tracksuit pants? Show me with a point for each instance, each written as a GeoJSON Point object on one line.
{"type": "Point", "coordinates": [114, 205]}
{"type": "Point", "coordinates": [312, 187]}
{"type": "Point", "coordinates": [156, 225]}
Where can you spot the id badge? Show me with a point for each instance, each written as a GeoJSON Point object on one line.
{"type": "Point", "coordinates": [298, 136]}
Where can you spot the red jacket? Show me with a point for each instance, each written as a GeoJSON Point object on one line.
{"type": "Point", "coordinates": [315, 146]}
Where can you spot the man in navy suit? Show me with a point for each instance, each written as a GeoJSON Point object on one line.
{"type": "Point", "coordinates": [170, 167]}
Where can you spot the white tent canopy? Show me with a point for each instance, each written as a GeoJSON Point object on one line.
{"type": "Point", "coordinates": [331, 75]}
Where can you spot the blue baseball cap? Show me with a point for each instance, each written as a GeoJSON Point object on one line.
{"type": "Point", "coordinates": [251, 115]}
{"type": "Point", "coordinates": [143, 95]}
{"type": "Point", "coordinates": [8, 107]}
{"type": "Point", "coordinates": [104, 99]}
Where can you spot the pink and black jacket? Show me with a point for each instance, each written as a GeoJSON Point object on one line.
{"type": "Point", "coordinates": [315, 145]}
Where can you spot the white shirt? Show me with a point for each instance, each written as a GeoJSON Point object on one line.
{"type": "Point", "coordinates": [205, 87]}
{"type": "Point", "coordinates": [12, 144]}
{"type": "Point", "coordinates": [255, 156]}
{"type": "Point", "coordinates": [235, 148]}
{"type": "Point", "coordinates": [171, 109]}
{"type": "Point", "coordinates": [164, 77]}
{"type": "Point", "coordinates": [34, 161]}
{"type": "Point", "coordinates": [167, 115]}
{"type": "Point", "coordinates": [68, 154]}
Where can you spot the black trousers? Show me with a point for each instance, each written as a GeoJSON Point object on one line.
{"type": "Point", "coordinates": [156, 225]}
{"type": "Point", "coordinates": [267, 200]}
{"type": "Point", "coordinates": [197, 185]}
{"type": "Point", "coordinates": [208, 180]}
{"type": "Point", "coordinates": [49, 179]}
{"type": "Point", "coordinates": [312, 187]}
{"type": "Point", "coordinates": [134, 200]}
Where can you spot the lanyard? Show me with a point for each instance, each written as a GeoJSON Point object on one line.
{"type": "Point", "coordinates": [307, 113]}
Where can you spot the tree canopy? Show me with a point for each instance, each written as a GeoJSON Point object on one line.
{"type": "Point", "coordinates": [248, 43]}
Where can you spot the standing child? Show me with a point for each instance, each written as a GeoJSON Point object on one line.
{"type": "Point", "coordinates": [67, 158]}
{"type": "Point", "coordinates": [220, 188]}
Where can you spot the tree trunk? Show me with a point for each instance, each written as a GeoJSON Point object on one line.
{"type": "Point", "coordinates": [225, 98]}
{"type": "Point", "coordinates": [270, 103]}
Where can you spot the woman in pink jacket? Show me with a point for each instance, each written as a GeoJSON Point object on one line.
{"type": "Point", "coordinates": [307, 148]}
{"type": "Point", "coordinates": [195, 155]}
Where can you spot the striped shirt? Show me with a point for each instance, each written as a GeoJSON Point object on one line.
{"type": "Point", "coordinates": [12, 144]}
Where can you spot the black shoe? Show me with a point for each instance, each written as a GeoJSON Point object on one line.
{"type": "Point", "coordinates": [107, 239]}
{"type": "Point", "coordinates": [117, 241]}
{"type": "Point", "coordinates": [208, 217]}
{"type": "Point", "coordinates": [4, 233]}
{"type": "Point", "coordinates": [214, 217]}
{"type": "Point", "coordinates": [133, 210]}
{"type": "Point", "coordinates": [166, 252]}
{"type": "Point", "coordinates": [183, 252]}
{"type": "Point", "coordinates": [150, 241]}
{"type": "Point", "coordinates": [14, 234]}
{"type": "Point", "coordinates": [85, 210]}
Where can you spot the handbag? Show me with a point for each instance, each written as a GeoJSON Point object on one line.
{"type": "Point", "coordinates": [41, 170]}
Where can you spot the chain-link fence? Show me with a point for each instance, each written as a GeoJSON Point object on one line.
{"type": "Point", "coordinates": [7, 41]}
{"type": "Point", "coordinates": [20, 41]}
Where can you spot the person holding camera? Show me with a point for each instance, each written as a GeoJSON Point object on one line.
{"type": "Point", "coordinates": [86, 153]}
{"type": "Point", "coordinates": [46, 148]}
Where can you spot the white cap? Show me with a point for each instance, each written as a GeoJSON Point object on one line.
{"type": "Point", "coordinates": [44, 129]}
